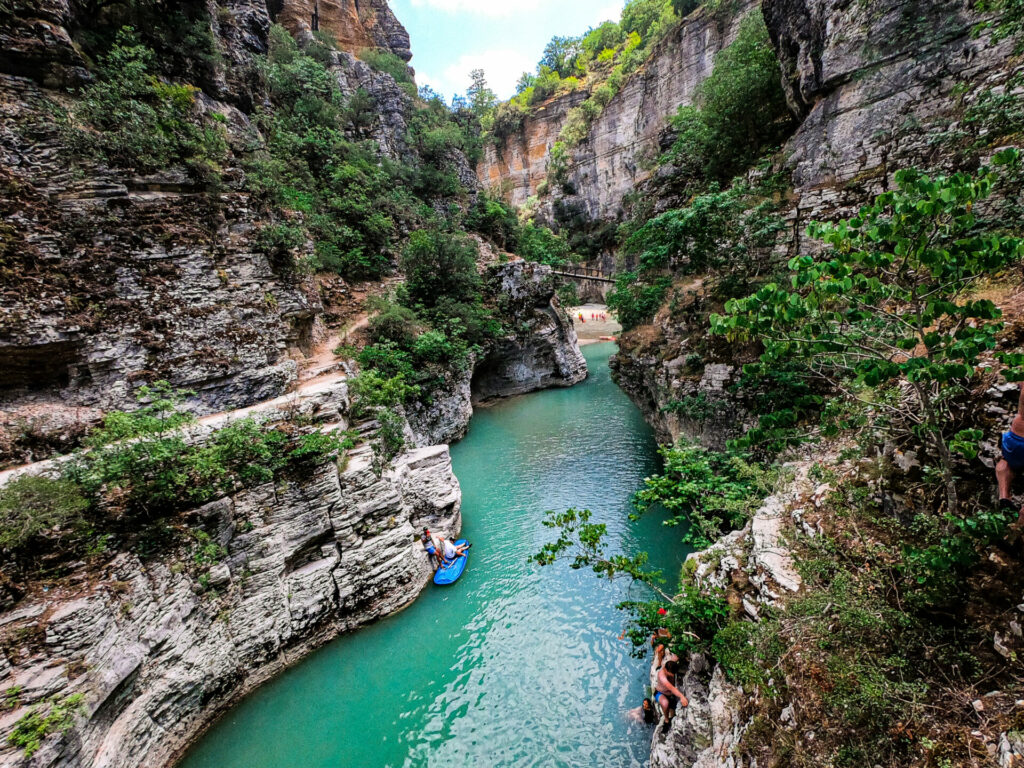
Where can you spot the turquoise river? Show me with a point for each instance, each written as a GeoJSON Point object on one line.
{"type": "Point", "coordinates": [514, 665]}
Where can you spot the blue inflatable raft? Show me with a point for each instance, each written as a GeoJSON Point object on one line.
{"type": "Point", "coordinates": [450, 571]}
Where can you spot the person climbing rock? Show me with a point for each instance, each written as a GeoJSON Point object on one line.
{"type": "Point", "coordinates": [1012, 461]}
{"type": "Point", "coordinates": [666, 693]}
{"type": "Point", "coordinates": [659, 642]}
{"type": "Point", "coordinates": [428, 544]}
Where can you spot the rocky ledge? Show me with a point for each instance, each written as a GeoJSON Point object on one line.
{"type": "Point", "coordinates": [159, 647]}
{"type": "Point", "coordinates": [540, 351]}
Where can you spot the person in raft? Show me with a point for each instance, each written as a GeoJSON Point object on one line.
{"type": "Point", "coordinates": [1012, 461]}
{"type": "Point", "coordinates": [666, 693]}
{"type": "Point", "coordinates": [428, 544]}
{"type": "Point", "coordinates": [451, 551]}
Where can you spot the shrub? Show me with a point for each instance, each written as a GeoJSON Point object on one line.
{"type": "Point", "coordinates": [134, 120]}
{"type": "Point", "coordinates": [894, 278]}
{"type": "Point", "coordinates": [52, 716]}
{"type": "Point", "coordinates": [725, 136]}
{"type": "Point", "coordinates": [389, 439]}
{"type": "Point", "coordinates": [371, 390]}
{"type": "Point", "coordinates": [709, 492]}
{"type": "Point", "coordinates": [635, 303]}
{"type": "Point", "coordinates": [440, 264]}
{"type": "Point", "coordinates": [387, 62]}
{"type": "Point", "coordinates": [396, 323]}
{"type": "Point", "coordinates": [32, 506]}
{"type": "Point", "coordinates": [388, 359]}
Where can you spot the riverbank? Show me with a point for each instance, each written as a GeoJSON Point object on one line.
{"type": "Point", "coordinates": [592, 329]}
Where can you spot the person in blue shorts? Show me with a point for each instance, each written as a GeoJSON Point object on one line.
{"type": "Point", "coordinates": [428, 544]}
{"type": "Point", "coordinates": [1012, 461]}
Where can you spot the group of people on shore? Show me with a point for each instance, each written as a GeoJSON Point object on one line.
{"type": "Point", "coordinates": [444, 549]}
{"type": "Point", "coordinates": [602, 316]}
{"type": "Point", "coordinates": [667, 696]}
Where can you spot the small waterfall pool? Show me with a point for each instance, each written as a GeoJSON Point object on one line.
{"type": "Point", "coordinates": [514, 665]}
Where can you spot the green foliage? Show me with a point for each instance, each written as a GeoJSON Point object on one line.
{"type": "Point", "coordinates": [887, 301]}
{"type": "Point", "coordinates": [130, 118]}
{"type": "Point", "coordinates": [500, 223]}
{"type": "Point", "coordinates": [55, 715]}
{"type": "Point", "coordinates": [635, 303]}
{"type": "Point", "coordinates": [724, 135]}
{"type": "Point", "coordinates": [387, 62]}
{"type": "Point", "coordinates": [32, 506]}
{"type": "Point", "coordinates": [709, 492]}
{"type": "Point", "coordinates": [370, 390]}
{"type": "Point", "coordinates": [481, 98]}
{"type": "Point", "coordinates": [440, 264]}
{"type": "Point", "coordinates": [207, 551]}
{"type": "Point", "coordinates": [684, 8]}
{"type": "Point", "coordinates": [693, 615]}
{"type": "Point", "coordinates": [641, 16]}
{"type": "Point", "coordinates": [180, 34]}
{"type": "Point", "coordinates": [389, 439]}
{"type": "Point", "coordinates": [581, 542]}
{"type": "Point", "coordinates": [1009, 21]}
{"type": "Point", "coordinates": [141, 465]}
{"type": "Point", "coordinates": [731, 231]}
{"type": "Point", "coordinates": [784, 397]}
{"type": "Point", "coordinates": [323, 176]}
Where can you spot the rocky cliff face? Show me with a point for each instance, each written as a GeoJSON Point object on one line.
{"type": "Point", "coordinates": [753, 567]}
{"type": "Point", "coordinates": [624, 139]}
{"type": "Point", "coordinates": [514, 168]}
{"type": "Point", "coordinates": [158, 648]}
{"type": "Point", "coordinates": [110, 278]}
{"type": "Point", "coordinates": [876, 89]}
{"type": "Point", "coordinates": [541, 352]}
{"type": "Point", "coordinates": [874, 86]}
{"type": "Point", "coordinates": [354, 24]}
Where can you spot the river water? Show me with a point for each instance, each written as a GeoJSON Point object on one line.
{"type": "Point", "coordinates": [514, 665]}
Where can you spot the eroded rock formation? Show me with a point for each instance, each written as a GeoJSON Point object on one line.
{"type": "Point", "coordinates": [353, 24]}
{"type": "Point", "coordinates": [541, 352]}
{"type": "Point", "coordinates": [158, 647]}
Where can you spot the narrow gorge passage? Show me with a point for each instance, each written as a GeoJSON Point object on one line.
{"type": "Point", "coordinates": [514, 665]}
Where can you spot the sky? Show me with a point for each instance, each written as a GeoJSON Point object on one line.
{"type": "Point", "coordinates": [503, 37]}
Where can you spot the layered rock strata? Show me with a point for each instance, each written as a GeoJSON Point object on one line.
{"type": "Point", "coordinates": [625, 138]}
{"type": "Point", "coordinates": [158, 647]}
{"type": "Point", "coordinates": [353, 24]}
{"type": "Point", "coordinates": [112, 279]}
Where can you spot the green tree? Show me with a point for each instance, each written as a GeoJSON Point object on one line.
{"type": "Point", "coordinates": [889, 300]}
{"type": "Point", "coordinates": [481, 98]}
{"type": "Point", "coordinates": [33, 506]}
{"type": "Point", "coordinates": [640, 16]}
{"type": "Point", "coordinates": [440, 264]}
{"type": "Point", "coordinates": [562, 55]}
{"type": "Point", "coordinates": [724, 135]}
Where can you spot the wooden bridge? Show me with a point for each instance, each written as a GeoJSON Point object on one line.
{"type": "Point", "coordinates": [585, 272]}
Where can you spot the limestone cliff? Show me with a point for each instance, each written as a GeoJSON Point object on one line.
{"type": "Point", "coordinates": [112, 278]}
{"type": "Point", "coordinates": [617, 153]}
{"type": "Point", "coordinates": [158, 648]}
{"type": "Point", "coordinates": [354, 24]}
{"type": "Point", "coordinates": [876, 87]}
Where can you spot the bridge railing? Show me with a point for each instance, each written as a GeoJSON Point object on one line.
{"type": "Point", "coordinates": [583, 270]}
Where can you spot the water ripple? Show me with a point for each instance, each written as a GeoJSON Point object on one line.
{"type": "Point", "coordinates": [514, 666]}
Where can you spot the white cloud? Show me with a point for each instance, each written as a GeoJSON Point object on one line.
{"type": "Point", "coordinates": [611, 12]}
{"type": "Point", "coordinates": [502, 68]}
{"type": "Point", "coordinates": [481, 7]}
